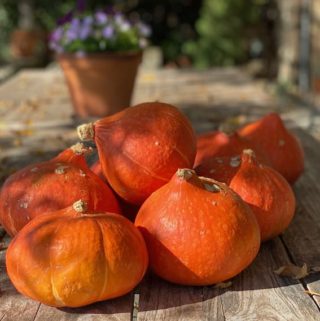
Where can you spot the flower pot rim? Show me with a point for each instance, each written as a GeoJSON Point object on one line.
{"type": "Point", "coordinates": [111, 54]}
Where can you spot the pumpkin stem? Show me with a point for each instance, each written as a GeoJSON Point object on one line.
{"type": "Point", "coordinates": [81, 149]}
{"type": "Point", "coordinates": [189, 176]}
{"type": "Point", "coordinates": [249, 152]}
{"type": "Point", "coordinates": [86, 132]}
{"type": "Point", "coordinates": [185, 173]}
{"type": "Point", "coordinates": [249, 156]}
{"type": "Point", "coordinates": [80, 206]}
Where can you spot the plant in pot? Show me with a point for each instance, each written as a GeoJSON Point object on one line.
{"type": "Point", "coordinates": [99, 53]}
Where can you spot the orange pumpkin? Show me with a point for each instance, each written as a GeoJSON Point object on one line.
{"type": "Point", "coordinates": [283, 148]}
{"type": "Point", "coordinates": [197, 230]}
{"type": "Point", "coordinates": [96, 168]}
{"type": "Point", "coordinates": [72, 257]}
{"type": "Point", "coordinates": [50, 186]}
{"type": "Point", "coordinates": [128, 210]}
{"type": "Point", "coordinates": [265, 190]}
{"type": "Point", "coordinates": [141, 147]}
{"type": "Point", "coordinates": [220, 144]}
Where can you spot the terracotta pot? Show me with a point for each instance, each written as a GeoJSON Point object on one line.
{"type": "Point", "coordinates": [26, 43]}
{"type": "Point", "coordinates": [100, 84]}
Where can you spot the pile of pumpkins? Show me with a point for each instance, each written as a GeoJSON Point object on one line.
{"type": "Point", "coordinates": [203, 204]}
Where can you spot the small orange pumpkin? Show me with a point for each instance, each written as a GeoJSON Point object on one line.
{"type": "Point", "coordinates": [264, 189]}
{"type": "Point", "coordinates": [141, 147]}
{"type": "Point", "coordinates": [220, 144]}
{"type": "Point", "coordinates": [197, 230]}
{"type": "Point", "coordinates": [72, 257]}
{"type": "Point", "coordinates": [283, 148]}
{"type": "Point", "coordinates": [50, 186]}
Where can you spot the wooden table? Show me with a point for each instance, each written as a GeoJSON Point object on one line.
{"type": "Point", "coordinates": [36, 122]}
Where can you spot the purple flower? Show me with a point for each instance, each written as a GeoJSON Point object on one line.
{"type": "Point", "coordinates": [143, 29]}
{"type": "Point", "coordinates": [57, 34]}
{"type": "Point", "coordinates": [119, 18]}
{"type": "Point", "coordinates": [85, 32]}
{"type": "Point", "coordinates": [66, 18]}
{"type": "Point", "coordinates": [56, 47]}
{"type": "Point", "coordinates": [101, 17]}
{"type": "Point", "coordinates": [75, 23]}
{"type": "Point", "coordinates": [88, 20]}
{"type": "Point", "coordinates": [108, 32]}
{"type": "Point", "coordinates": [71, 35]}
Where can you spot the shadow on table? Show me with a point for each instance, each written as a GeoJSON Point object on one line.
{"type": "Point", "coordinates": [114, 306]}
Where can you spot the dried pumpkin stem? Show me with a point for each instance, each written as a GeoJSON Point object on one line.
{"type": "Point", "coordinates": [249, 152]}
{"type": "Point", "coordinates": [86, 132]}
{"type": "Point", "coordinates": [185, 173]}
{"type": "Point", "coordinates": [80, 206]}
{"type": "Point", "coordinates": [81, 149]}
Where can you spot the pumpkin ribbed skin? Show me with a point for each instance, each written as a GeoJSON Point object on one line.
{"type": "Point", "coordinates": [141, 147]}
{"type": "Point", "coordinates": [73, 259]}
{"type": "Point", "coordinates": [50, 186]}
{"type": "Point", "coordinates": [266, 191]}
{"type": "Point", "coordinates": [198, 231]}
{"type": "Point", "coordinates": [283, 148]}
{"type": "Point", "coordinates": [219, 144]}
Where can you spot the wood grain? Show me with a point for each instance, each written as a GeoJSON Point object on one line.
{"type": "Point", "coordinates": [13, 306]}
{"type": "Point", "coordinates": [257, 293]}
{"type": "Point", "coordinates": [160, 300]}
{"type": "Point", "coordinates": [302, 237]}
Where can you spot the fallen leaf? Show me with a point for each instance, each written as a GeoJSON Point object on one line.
{"type": "Point", "coordinates": [223, 285]}
{"type": "Point", "coordinates": [293, 271]}
{"type": "Point", "coordinates": [312, 293]}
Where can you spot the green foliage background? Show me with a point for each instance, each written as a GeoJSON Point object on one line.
{"type": "Point", "coordinates": [209, 32]}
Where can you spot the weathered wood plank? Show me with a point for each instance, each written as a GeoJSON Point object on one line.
{"type": "Point", "coordinates": [13, 306]}
{"type": "Point", "coordinates": [160, 300]}
{"type": "Point", "coordinates": [259, 294]}
{"type": "Point", "coordinates": [256, 294]}
{"type": "Point", "coordinates": [114, 310]}
{"type": "Point", "coordinates": [302, 237]}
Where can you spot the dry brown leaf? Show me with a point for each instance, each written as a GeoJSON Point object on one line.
{"type": "Point", "coordinates": [293, 271]}
{"type": "Point", "coordinates": [312, 293]}
{"type": "Point", "coordinates": [223, 285]}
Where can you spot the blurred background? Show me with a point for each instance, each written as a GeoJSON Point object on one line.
{"type": "Point", "coordinates": [273, 39]}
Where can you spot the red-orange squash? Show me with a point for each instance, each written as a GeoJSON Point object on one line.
{"type": "Point", "coordinates": [72, 257]}
{"type": "Point", "coordinates": [197, 230]}
{"type": "Point", "coordinates": [96, 168]}
{"type": "Point", "coordinates": [50, 186]}
{"type": "Point", "coordinates": [128, 210]}
{"type": "Point", "coordinates": [141, 147]}
{"type": "Point", "coordinates": [220, 144]}
{"type": "Point", "coordinates": [264, 189]}
{"type": "Point", "coordinates": [283, 148]}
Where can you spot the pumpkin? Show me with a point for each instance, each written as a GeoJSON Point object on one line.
{"type": "Point", "coordinates": [96, 168]}
{"type": "Point", "coordinates": [283, 148]}
{"type": "Point", "coordinates": [197, 230]}
{"type": "Point", "coordinates": [128, 210]}
{"type": "Point", "coordinates": [264, 189]}
{"type": "Point", "coordinates": [50, 186]}
{"type": "Point", "coordinates": [141, 147]}
{"type": "Point", "coordinates": [74, 257]}
{"type": "Point", "coordinates": [219, 144]}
